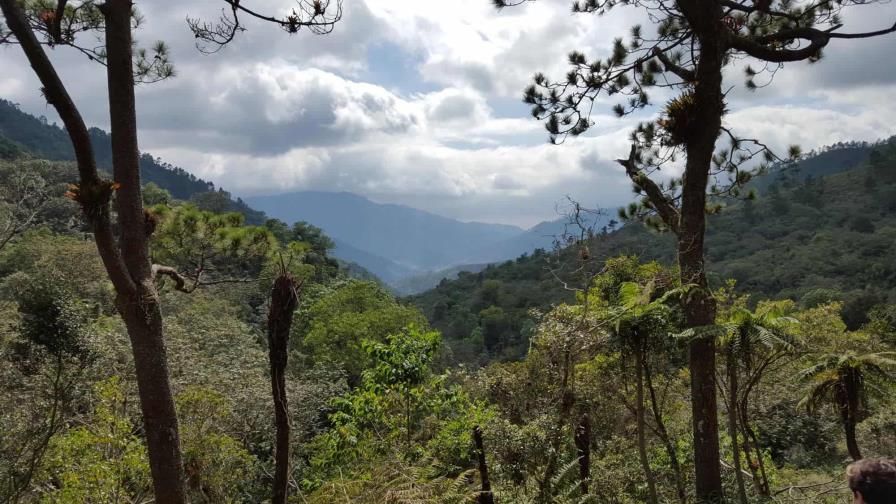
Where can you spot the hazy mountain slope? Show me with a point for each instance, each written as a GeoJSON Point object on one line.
{"type": "Point", "coordinates": [541, 236]}
{"type": "Point", "coordinates": [545, 236]}
{"type": "Point", "coordinates": [413, 238]}
{"type": "Point", "coordinates": [827, 161]}
{"type": "Point", "coordinates": [425, 281]}
{"type": "Point", "coordinates": [388, 271]}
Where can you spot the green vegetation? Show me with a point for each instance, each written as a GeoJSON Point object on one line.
{"type": "Point", "coordinates": [595, 405]}
{"type": "Point", "coordinates": [71, 427]}
{"type": "Point", "coordinates": [49, 141]}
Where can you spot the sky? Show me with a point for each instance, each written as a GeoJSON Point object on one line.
{"type": "Point", "coordinates": [418, 102]}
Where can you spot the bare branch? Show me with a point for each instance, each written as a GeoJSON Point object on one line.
{"type": "Point", "coordinates": [683, 73]}
{"type": "Point", "coordinates": [766, 47]}
{"type": "Point", "coordinates": [318, 16]}
{"type": "Point", "coordinates": [664, 206]}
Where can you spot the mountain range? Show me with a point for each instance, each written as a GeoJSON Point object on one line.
{"type": "Point", "coordinates": [409, 249]}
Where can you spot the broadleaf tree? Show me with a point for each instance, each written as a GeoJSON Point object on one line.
{"type": "Point", "coordinates": [692, 45]}
{"type": "Point", "coordinates": [122, 239]}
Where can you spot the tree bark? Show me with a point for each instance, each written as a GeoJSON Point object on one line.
{"type": "Point", "coordinates": [851, 444]}
{"type": "Point", "coordinates": [485, 494]}
{"type": "Point", "coordinates": [284, 301]}
{"type": "Point", "coordinates": [733, 432]}
{"type": "Point", "coordinates": [143, 319]}
{"type": "Point", "coordinates": [583, 447]}
{"type": "Point", "coordinates": [641, 427]}
{"type": "Point", "coordinates": [698, 305]}
{"type": "Point", "coordinates": [140, 308]}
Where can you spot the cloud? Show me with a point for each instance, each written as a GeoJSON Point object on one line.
{"type": "Point", "coordinates": [268, 109]}
{"type": "Point", "coordinates": [418, 102]}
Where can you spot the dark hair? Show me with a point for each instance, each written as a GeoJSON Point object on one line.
{"type": "Point", "coordinates": [875, 479]}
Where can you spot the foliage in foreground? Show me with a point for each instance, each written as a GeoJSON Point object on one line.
{"type": "Point", "coordinates": [598, 407]}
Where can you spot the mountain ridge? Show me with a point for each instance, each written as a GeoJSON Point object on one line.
{"type": "Point", "coordinates": [415, 239]}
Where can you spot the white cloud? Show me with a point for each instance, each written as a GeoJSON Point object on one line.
{"type": "Point", "coordinates": [274, 113]}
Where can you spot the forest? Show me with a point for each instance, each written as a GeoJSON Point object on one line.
{"type": "Point", "coordinates": [728, 337]}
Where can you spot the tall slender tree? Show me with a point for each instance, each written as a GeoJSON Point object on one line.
{"type": "Point", "coordinates": [123, 242]}
{"type": "Point", "coordinates": [283, 304]}
{"type": "Point", "coordinates": [694, 41]}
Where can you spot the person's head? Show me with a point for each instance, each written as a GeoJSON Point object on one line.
{"type": "Point", "coordinates": [873, 481]}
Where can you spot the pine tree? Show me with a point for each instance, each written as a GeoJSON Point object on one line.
{"type": "Point", "coordinates": [693, 42]}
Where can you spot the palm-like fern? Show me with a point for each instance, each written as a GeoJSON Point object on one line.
{"type": "Point", "coordinates": [847, 381]}
{"type": "Point", "coordinates": [565, 489]}
{"type": "Point", "coordinates": [395, 482]}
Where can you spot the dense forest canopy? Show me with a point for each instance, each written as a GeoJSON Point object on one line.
{"type": "Point", "coordinates": [730, 338]}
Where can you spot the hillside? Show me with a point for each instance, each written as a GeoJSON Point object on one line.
{"type": "Point", "coordinates": [540, 236]}
{"type": "Point", "coordinates": [386, 270]}
{"type": "Point", "coordinates": [822, 238]}
{"type": "Point", "coordinates": [425, 281]}
{"type": "Point", "coordinates": [49, 141]}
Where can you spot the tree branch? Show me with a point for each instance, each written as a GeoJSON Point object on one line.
{"type": "Point", "coordinates": [818, 39]}
{"type": "Point", "coordinates": [877, 33]}
{"type": "Point", "coordinates": [664, 207]}
{"type": "Point", "coordinates": [319, 16]}
{"type": "Point", "coordinates": [683, 73]}
{"type": "Point", "coordinates": [57, 22]}
{"type": "Point", "coordinates": [180, 281]}
{"type": "Point", "coordinates": [766, 53]}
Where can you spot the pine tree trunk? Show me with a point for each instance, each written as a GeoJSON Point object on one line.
{"type": "Point", "coordinates": [641, 427]}
{"type": "Point", "coordinates": [699, 309]}
{"type": "Point", "coordinates": [141, 311]}
{"type": "Point", "coordinates": [143, 320]}
{"type": "Point", "coordinates": [731, 364]}
{"type": "Point", "coordinates": [284, 301]}
{"type": "Point", "coordinates": [698, 305]}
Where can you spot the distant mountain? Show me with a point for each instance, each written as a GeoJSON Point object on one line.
{"type": "Point", "coordinates": [388, 271]}
{"type": "Point", "coordinates": [544, 235]}
{"type": "Point", "coordinates": [413, 239]}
